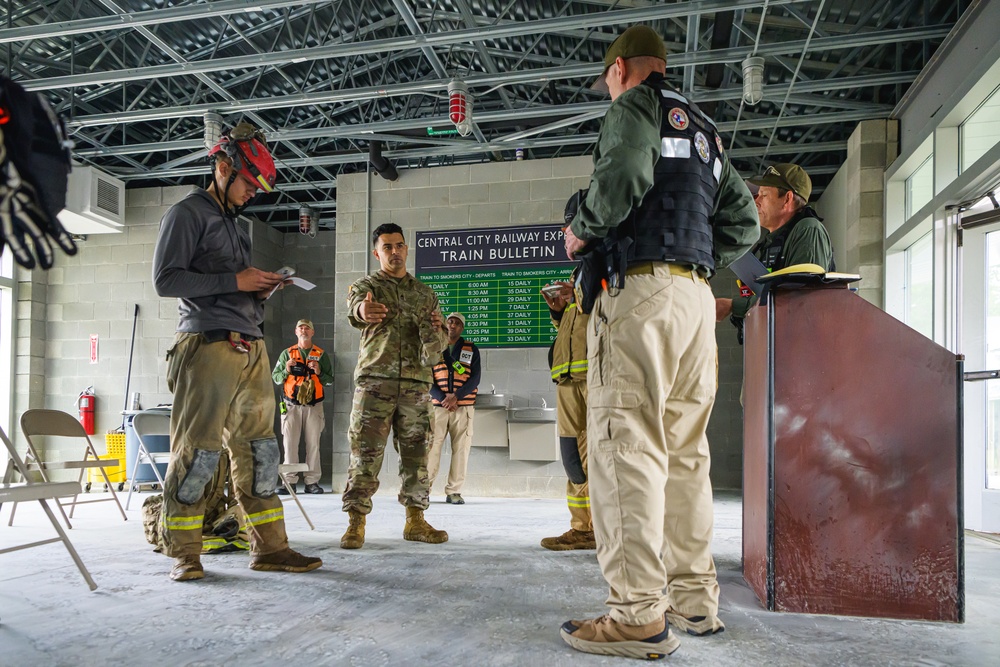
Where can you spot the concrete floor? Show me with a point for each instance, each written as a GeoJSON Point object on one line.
{"type": "Point", "coordinates": [490, 596]}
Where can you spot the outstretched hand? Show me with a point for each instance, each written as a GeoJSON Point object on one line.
{"type": "Point", "coordinates": [372, 311]}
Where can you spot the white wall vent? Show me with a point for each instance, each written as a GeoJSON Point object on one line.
{"type": "Point", "coordinates": [95, 202]}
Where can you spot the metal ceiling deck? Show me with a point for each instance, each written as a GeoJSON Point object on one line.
{"type": "Point", "coordinates": [323, 79]}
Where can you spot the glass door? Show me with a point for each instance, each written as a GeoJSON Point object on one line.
{"type": "Point", "coordinates": [980, 323]}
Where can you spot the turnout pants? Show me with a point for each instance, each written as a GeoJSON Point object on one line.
{"type": "Point", "coordinates": [571, 400]}
{"type": "Point", "coordinates": [299, 418]}
{"type": "Point", "coordinates": [222, 398]}
{"type": "Point", "coordinates": [652, 381]}
{"type": "Point", "coordinates": [381, 404]}
{"type": "Point", "coordinates": [458, 425]}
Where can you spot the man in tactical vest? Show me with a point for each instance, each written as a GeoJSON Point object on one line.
{"type": "Point", "coordinates": [794, 233]}
{"type": "Point", "coordinates": [301, 371]}
{"type": "Point", "coordinates": [569, 372]}
{"type": "Point", "coordinates": [217, 365]}
{"type": "Point", "coordinates": [664, 211]}
{"type": "Point", "coordinates": [456, 383]}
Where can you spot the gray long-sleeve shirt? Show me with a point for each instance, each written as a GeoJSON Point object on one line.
{"type": "Point", "coordinates": [198, 253]}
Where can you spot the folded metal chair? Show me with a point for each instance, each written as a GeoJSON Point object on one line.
{"type": "Point", "coordinates": [146, 424]}
{"type": "Point", "coordinates": [295, 467]}
{"type": "Point", "coordinates": [38, 491]}
{"type": "Point", "coordinates": [35, 423]}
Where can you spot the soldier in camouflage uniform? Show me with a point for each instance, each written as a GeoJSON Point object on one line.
{"type": "Point", "coordinates": [402, 336]}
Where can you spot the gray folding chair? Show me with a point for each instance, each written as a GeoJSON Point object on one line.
{"type": "Point", "coordinates": [295, 467]}
{"type": "Point", "coordinates": [146, 424]}
{"type": "Point", "coordinates": [35, 423]}
{"type": "Point", "coordinates": [40, 491]}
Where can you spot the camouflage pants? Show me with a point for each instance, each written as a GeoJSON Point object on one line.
{"type": "Point", "coordinates": [222, 398]}
{"type": "Point", "coordinates": [379, 404]}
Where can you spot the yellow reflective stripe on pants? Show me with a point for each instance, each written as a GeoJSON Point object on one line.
{"type": "Point", "coordinates": [578, 501]}
{"type": "Point", "coordinates": [183, 522]}
{"type": "Point", "coordinates": [267, 516]}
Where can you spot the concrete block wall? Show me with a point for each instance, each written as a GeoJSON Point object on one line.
{"type": "Point", "coordinates": [873, 146]}
{"type": "Point", "coordinates": [491, 195]}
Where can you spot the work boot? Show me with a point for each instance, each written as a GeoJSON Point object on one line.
{"type": "Point", "coordinates": [418, 530]}
{"type": "Point", "coordinates": [355, 535]}
{"type": "Point", "coordinates": [697, 626]}
{"type": "Point", "coordinates": [285, 560]}
{"type": "Point", "coordinates": [187, 568]}
{"type": "Point", "coordinates": [606, 636]}
{"type": "Point", "coordinates": [313, 488]}
{"type": "Point", "coordinates": [571, 539]}
{"type": "Point", "coordinates": [455, 499]}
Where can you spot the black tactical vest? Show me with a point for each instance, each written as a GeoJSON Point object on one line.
{"type": "Point", "coordinates": [673, 223]}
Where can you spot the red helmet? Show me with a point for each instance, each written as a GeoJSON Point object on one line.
{"type": "Point", "coordinates": [246, 147]}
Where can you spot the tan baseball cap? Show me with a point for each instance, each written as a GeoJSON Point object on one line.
{"type": "Point", "coordinates": [786, 176]}
{"type": "Point", "coordinates": [458, 316]}
{"type": "Point", "coordinates": [307, 323]}
{"type": "Point", "coordinates": [639, 40]}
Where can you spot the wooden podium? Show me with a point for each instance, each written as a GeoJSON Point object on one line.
{"type": "Point", "coordinates": [851, 461]}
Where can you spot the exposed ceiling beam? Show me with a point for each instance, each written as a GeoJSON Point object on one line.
{"type": "Point", "coordinates": [129, 20]}
{"type": "Point", "coordinates": [382, 46]}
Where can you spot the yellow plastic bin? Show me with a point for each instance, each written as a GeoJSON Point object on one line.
{"type": "Point", "coordinates": [115, 443]}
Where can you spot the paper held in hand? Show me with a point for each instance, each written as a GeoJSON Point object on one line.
{"type": "Point", "coordinates": [292, 279]}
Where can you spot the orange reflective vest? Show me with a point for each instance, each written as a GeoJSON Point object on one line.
{"type": "Point", "coordinates": [449, 379]}
{"type": "Point", "coordinates": [292, 382]}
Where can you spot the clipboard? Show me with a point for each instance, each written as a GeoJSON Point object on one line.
{"type": "Point", "coordinates": [749, 269]}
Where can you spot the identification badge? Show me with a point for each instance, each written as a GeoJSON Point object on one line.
{"type": "Point", "coordinates": [465, 357]}
{"type": "Point", "coordinates": [675, 147]}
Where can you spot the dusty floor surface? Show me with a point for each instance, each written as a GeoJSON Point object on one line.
{"type": "Point", "coordinates": [490, 596]}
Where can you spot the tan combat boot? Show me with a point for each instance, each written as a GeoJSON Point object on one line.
{"type": "Point", "coordinates": [355, 535]}
{"type": "Point", "coordinates": [286, 560]}
{"type": "Point", "coordinates": [418, 530]}
{"type": "Point", "coordinates": [571, 539]}
{"type": "Point", "coordinates": [187, 568]}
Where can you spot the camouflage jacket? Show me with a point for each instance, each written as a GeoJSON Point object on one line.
{"type": "Point", "coordinates": [404, 346]}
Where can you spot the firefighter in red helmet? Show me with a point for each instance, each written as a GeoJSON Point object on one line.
{"type": "Point", "coordinates": [217, 367]}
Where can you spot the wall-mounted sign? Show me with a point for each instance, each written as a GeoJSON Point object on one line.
{"type": "Point", "coordinates": [93, 348]}
{"type": "Point", "coordinates": [493, 277]}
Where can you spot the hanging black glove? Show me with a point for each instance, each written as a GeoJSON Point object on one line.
{"type": "Point", "coordinates": [34, 166]}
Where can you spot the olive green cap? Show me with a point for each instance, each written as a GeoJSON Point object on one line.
{"type": "Point", "coordinates": [786, 176]}
{"type": "Point", "coordinates": [639, 40]}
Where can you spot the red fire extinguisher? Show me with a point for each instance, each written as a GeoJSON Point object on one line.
{"type": "Point", "coordinates": [86, 404]}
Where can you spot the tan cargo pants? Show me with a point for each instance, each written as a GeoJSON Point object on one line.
{"type": "Point", "coordinates": [222, 398]}
{"type": "Point", "coordinates": [571, 401]}
{"type": "Point", "coordinates": [299, 418]}
{"type": "Point", "coordinates": [458, 425]}
{"type": "Point", "coordinates": [652, 383]}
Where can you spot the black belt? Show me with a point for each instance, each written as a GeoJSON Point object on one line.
{"type": "Point", "coordinates": [216, 335]}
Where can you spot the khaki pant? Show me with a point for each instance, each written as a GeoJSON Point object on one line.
{"type": "Point", "coordinates": [458, 425]}
{"type": "Point", "coordinates": [296, 419]}
{"type": "Point", "coordinates": [652, 382]}
{"type": "Point", "coordinates": [222, 398]}
{"type": "Point", "coordinates": [571, 401]}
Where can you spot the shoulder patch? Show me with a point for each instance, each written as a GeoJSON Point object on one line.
{"type": "Point", "coordinates": [678, 118]}
{"type": "Point", "coordinates": [718, 142]}
{"type": "Point", "coordinates": [701, 145]}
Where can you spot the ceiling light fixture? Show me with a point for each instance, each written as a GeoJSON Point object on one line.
{"type": "Point", "coordinates": [753, 80]}
{"type": "Point", "coordinates": [460, 106]}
